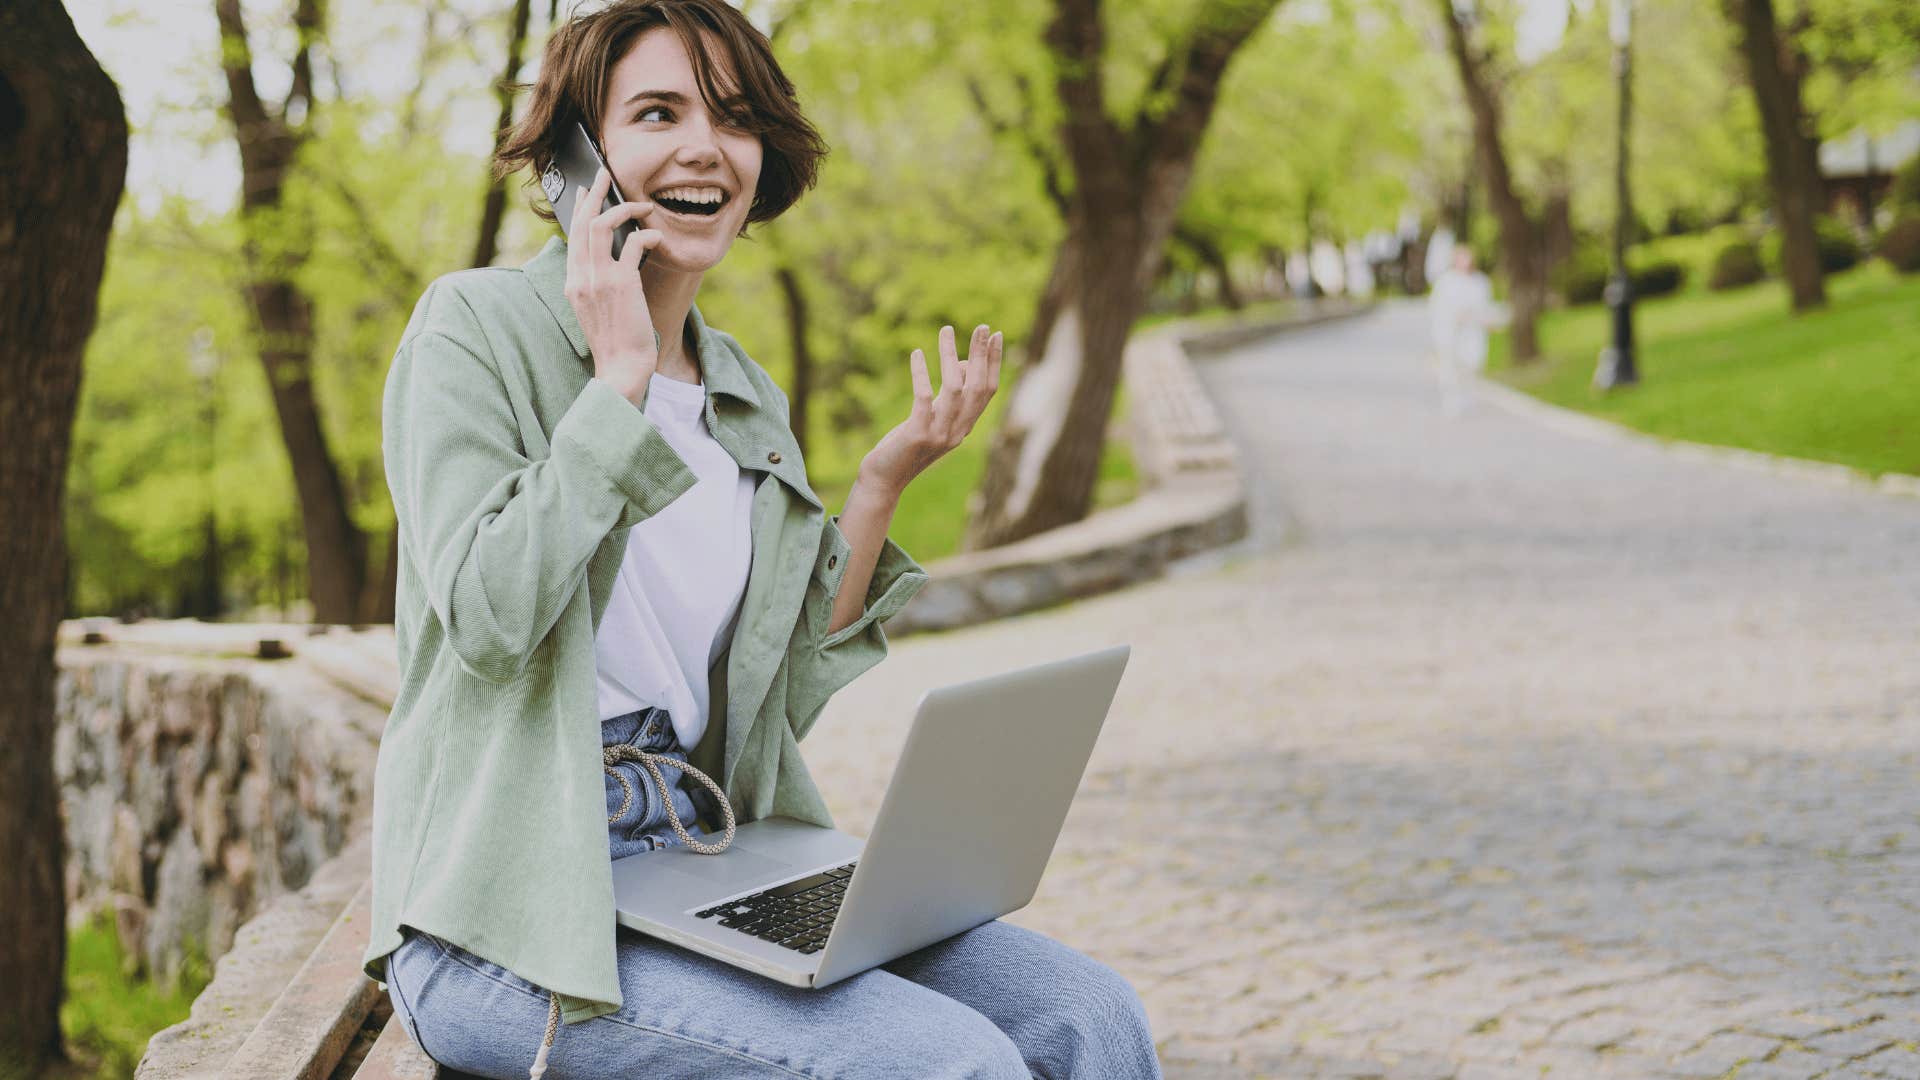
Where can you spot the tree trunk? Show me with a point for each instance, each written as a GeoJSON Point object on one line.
{"type": "Point", "coordinates": [1129, 184]}
{"type": "Point", "coordinates": [1556, 230]}
{"type": "Point", "coordinates": [377, 595]}
{"type": "Point", "coordinates": [1038, 392]}
{"type": "Point", "coordinates": [493, 208]}
{"type": "Point", "coordinates": [1792, 169]}
{"type": "Point", "coordinates": [802, 395]}
{"type": "Point", "coordinates": [283, 315]}
{"type": "Point", "coordinates": [1522, 248]}
{"type": "Point", "coordinates": [1413, 264]}
{"type": "Point", "coordinates": [1216, 260]}
{"type": "Point", "coordinates": [63, 133]}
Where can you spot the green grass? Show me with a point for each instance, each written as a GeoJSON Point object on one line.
{"type": "Point", "coordinates": [1736, 369]}
{"type": "Point", "coordinates": [107, 1017]}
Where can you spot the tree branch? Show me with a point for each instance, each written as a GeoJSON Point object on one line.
{"type": "Point", "coordinates": [1077, 37]}
{"type": "Point", "coordinates": [387, 261]}
{"type": "Point", "coordinates": [1036, 147]}
{"type": "Point", "coordinates": [236, 60]}
{"type": "Point", "coordinates": [1220, 30]}
{"type": "Point", "coordinates": [307, 19]}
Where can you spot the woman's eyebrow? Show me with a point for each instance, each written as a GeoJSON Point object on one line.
{"type": "Point", "coordinates": [675, 97]}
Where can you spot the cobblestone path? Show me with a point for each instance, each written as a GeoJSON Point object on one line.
{"type": "Point", "coordinates": [1498, 751]}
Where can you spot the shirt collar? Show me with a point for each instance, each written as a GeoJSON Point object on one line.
{"type": "Point", "coordinates": [719, 369]}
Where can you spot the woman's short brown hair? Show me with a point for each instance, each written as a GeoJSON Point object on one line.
{"type": "Point", "coordinates": [579, 60]}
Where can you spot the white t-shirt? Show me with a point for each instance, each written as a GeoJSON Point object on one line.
{"type": "Point", "coordinates": [682, 578]}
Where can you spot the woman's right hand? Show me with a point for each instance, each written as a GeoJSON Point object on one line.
{"type": "Point", "coordinates": [605, 292]}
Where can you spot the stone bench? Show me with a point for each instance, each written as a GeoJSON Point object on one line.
{"type": "Point", "coordinates": [290, 1002]}
{"type": "Point", "coordinates": [332, 1020]}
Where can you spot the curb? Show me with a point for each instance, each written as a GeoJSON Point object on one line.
{"type": "Point", "coordinates": [1574, 422]}
{"type": "Point", "coordinates": [1194, 496]}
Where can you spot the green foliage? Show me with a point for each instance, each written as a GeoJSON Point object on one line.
{"type": "Point", "coordinates": [930, 524]}
{"type": "Point", "coordinates": [932, 208]}
{"type": "Point", "coordinates": [1737, 264]}
{"type": "Point", "coordinates": [1862, 55]}
{"type": "Point", "coordinates": [1736, 368]}
{"type": "Point", "coordinates": [1905, 191]}
{"type": "Point", "coordinates": [1696, 251]}
{"type": "Point", "coordinates": [1348, 79]}
{"type": "Point", "coordinates": [107, 1017]}
{"type": "Point", "coordinates": [1839, 250]}
{"type": "Point", "coordinates": [155, 449]}
{"type": "Point", "coordinates": [1900, 246]}
{"type": "Point", "coordinates": [1583, 278]}
{"type": "Point", "coordinates": [1658, 278]}
{"type": "Point", "coordinates": [1696, 143]}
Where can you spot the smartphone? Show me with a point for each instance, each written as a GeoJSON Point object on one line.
{"type": "Point", "coordinates": [575, 162]}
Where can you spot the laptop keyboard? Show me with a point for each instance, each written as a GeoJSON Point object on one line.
{"type": "Point", "coordinates": [797, 915]}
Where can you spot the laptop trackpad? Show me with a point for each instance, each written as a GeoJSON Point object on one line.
{"type": "Point", "coordinates": [734, 865]}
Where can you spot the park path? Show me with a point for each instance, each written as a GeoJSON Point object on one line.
{"type": "Point", "coordinates": [1496, 751]}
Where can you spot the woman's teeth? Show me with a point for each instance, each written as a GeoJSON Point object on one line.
{"type": "Point", "coordinates": [699, 202]}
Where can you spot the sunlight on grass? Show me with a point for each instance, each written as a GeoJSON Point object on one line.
{"type": "Point", "coordinates": [1737, 369]}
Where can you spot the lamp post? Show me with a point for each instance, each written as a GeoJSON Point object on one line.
{"type": "Point", "coordinates": [205, 364]}
{"type": "Point", "coordinates": [1616, 360]}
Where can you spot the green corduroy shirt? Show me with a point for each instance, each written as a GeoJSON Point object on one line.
{"type": "Point", "coordinates": [516, 477]}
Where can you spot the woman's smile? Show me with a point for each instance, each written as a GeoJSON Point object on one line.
{"type": "Point", "coordinates": [698, 204]}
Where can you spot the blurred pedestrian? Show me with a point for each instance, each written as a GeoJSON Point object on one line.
{"type": "Point", "coordinates": [1461, 310]}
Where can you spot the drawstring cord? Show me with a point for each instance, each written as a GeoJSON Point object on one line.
{"type": "Point", "coordinates": [609, 756]}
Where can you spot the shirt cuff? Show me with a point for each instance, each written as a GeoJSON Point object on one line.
{"type": "Point", "coordinates": [897, 578]}
{"type": "Point", "coordinates": [628, 447]}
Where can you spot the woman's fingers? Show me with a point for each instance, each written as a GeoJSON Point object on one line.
{"type": "Point", "coordinates": [587, 200]}
{"type": "Point", "coordinates": [922, 382]}
{"type": "Point", "coordinates": [637, 246]}
{"type": "Point", "coordinates": [583, 199]}
{"type": "Point", "coordinates": [620, 212]}
{"type": "Point", "coordinates": [975, 350]}
{"type": "Point", "coordinates": [951, 377]}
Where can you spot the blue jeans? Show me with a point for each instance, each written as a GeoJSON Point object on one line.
{"type": "Point", "coordinates": [995, 1001]}
{"type": "Point", "coordinates": [644, 827]}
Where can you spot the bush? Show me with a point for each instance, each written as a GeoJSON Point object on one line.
{"type": "Point", "coordinates": [1657, 278]}
{"type": "Point", "coordinates": [1737, 264]}
{"type": "Point", "coordinates": [1838, 248]}
{"type": "Point", "coordinates": [1900, 245]}
{"type": "Point", "coordinates": [1583, 277]}
{"type": "Point", "coordinates": [1906, 186]}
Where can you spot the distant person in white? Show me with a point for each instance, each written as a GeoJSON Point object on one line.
{"type": "Point", "coordinates": [1462, 310]}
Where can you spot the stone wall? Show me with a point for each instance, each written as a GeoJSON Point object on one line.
{"type": "Point", "coordinates": [194, 789]}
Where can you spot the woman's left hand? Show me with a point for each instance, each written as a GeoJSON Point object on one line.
{"type": "Point", "coordinates": [937, 424]}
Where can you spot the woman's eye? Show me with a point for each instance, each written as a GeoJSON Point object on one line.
{"type": "Point", "coordinates": [652, 109]}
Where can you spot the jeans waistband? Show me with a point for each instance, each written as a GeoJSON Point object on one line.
{"type": "Point", "coordinates": [646, 729]}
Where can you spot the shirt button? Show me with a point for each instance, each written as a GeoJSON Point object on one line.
{"type": "Point", "coordinates": [773, 456]}
{"type": "Point", "coordinates": [832, 561]}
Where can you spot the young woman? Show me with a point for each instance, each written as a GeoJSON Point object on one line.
{"type": "Point", "coordinates": [609, 551]}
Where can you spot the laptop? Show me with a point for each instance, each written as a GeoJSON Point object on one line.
{"type": "Point", "coordinates": [964, 832]}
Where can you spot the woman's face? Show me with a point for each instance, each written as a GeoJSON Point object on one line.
{"type": "Point", "coordinates": [664, 145]}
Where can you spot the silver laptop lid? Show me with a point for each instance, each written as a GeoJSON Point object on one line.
{"type": "Point", "coordinates": [974, 807]}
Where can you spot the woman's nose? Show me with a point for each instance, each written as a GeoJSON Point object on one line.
{"type": "Point", "coordinates": [700, 147]}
